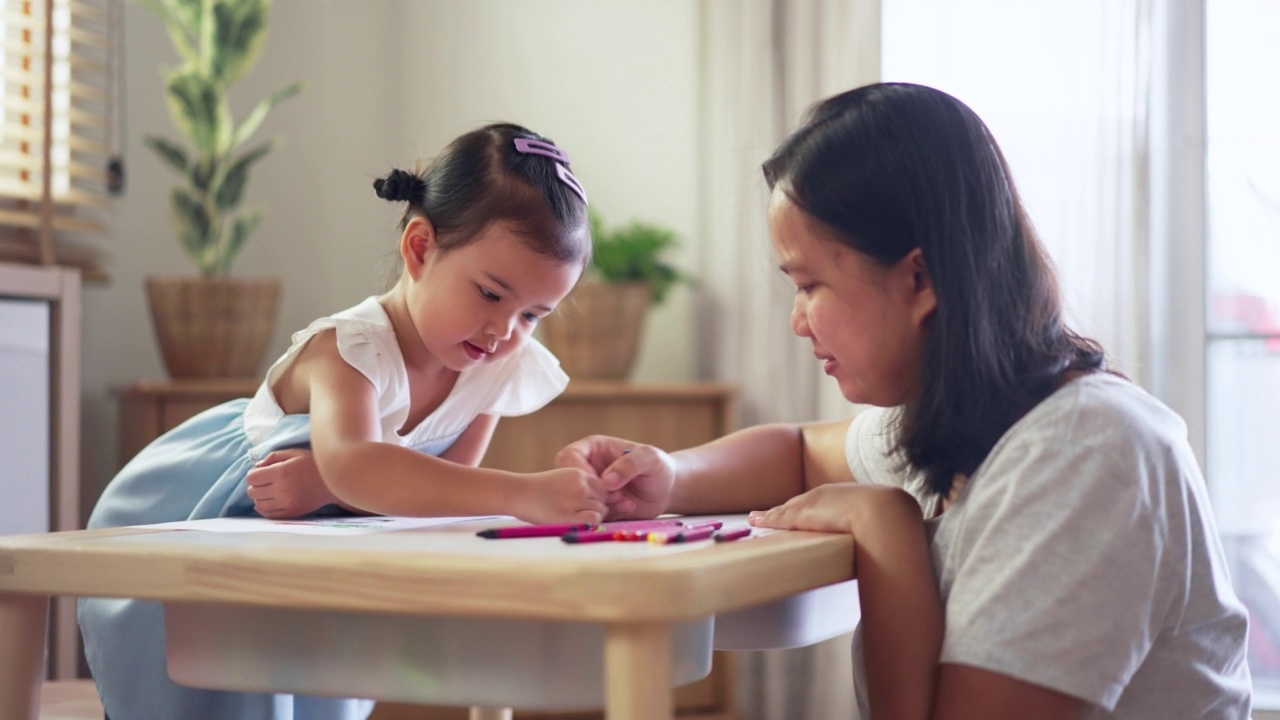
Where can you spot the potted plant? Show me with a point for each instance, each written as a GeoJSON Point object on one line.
{"type": "Point", "coordinates": [597, 333]}
{"type": "Point", "coordinates": [213, 325]}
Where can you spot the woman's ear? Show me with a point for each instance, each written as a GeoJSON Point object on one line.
{"type": "Point", "coordinates": [924, 299]}
{"type": "Point", "coordinates": [418, 245]}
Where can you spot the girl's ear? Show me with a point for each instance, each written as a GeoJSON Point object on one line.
{"type": "Point", "coordinates": [418, 245]}
{"type": "Point", "coordinates": [924, 299]}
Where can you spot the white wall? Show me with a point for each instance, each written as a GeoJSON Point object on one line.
{"type": "Point", "coordinates": [389, 81]}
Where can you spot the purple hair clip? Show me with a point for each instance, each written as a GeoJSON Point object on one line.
{"type": "Point", "coordinates": [532, 146]}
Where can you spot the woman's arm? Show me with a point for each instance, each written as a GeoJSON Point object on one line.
{"type": "Point", "coordinates": [755, 468]}
{"type": "Point", "coordinates": [970, 693]}
{"type": "Point", "coordinates": [758, 467]}
{"type": "Point", "coordinates": [901, 609]}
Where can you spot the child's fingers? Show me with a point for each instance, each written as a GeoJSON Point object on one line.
{"type": "Point", "coordinates": [273, 457]}
{"type": "Point", "coordinates": [573, 457]}
{"type": "Point", "coordinates": [621, 507]}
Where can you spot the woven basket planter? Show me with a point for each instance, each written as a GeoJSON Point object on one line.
{"type": "Point", "coordinates": [213, 327]}
{"type": "Point", "coordinates": [596, 332]}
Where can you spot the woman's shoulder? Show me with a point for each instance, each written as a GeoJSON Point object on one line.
{"type": "Point", "coordinates": [1102, 406]}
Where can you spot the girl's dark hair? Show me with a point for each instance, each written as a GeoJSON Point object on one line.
{"type": "Point", "coordinates": [893, 167]}
{"type": "Point", "coordinates": [481, 178]}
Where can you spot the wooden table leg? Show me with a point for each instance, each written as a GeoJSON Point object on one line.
{"type": "Point", "coordinates": [637, 667]}
{"type": "Point", "coordinates": [484, 713]}
{"type": "Point", "coordinates": [23, 621]}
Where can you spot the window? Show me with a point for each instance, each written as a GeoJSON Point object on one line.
{"type": "Point", "coordinates": [1242, 338]}
{"type": "Point", "coordinates": [71, 147]}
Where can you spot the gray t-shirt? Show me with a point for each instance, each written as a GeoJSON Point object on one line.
{"type": "Point", "coordinates": [1082, 556]}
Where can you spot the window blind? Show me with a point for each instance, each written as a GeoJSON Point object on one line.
{"type": "Point", "coordinates": [55, 139]}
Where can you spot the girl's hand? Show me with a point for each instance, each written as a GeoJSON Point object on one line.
{"type": "Point", "coordinates": [564, 495]}
{"type": "Point", "coordinates": [638, 477]}
{"type": "Point", "coordinates": [838, 508]}
{"type": "Point", "coordinates": [287, 484]}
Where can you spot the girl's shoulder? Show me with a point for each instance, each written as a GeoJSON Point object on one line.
{"type": "Point", "coordinates": [365, 340]}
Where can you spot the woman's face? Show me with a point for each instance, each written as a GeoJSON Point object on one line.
{"type": "Point", "coordinates": [867, 322]}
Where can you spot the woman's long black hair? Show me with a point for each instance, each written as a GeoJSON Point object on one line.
{"type": "Point", "coordinates": [893, 167]}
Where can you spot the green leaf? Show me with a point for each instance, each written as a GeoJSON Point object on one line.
{"type": "Point", "coordinates": [240, 231]}
{"type": "Point", "coordinates": [194, 107]}
{"type": "Point", "coordinates": [193, 225]}
{"type": "Point", "coordinates": [259, 113]}
{"type": "Point", "coordinates": [239, 36]}
{"type": "Point", "coordinates": [634, 253]}
{"type": "Point", "coordinates": [168, 151]}
{"type": "Point", "coordinates": [202, 174]}
{"type": "Point", "coordinates": [230, 189]}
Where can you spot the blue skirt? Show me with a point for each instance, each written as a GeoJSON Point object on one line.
{"type": "Point", "coordinates": [195, 471]}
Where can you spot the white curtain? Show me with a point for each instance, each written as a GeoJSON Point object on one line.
{"type": "Point", "coordinates": [764, 63]}
{"type": "Point", "coordinates": [1067, 90]}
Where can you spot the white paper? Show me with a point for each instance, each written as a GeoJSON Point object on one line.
{"type": "Point", "coordinates": [314, 526]}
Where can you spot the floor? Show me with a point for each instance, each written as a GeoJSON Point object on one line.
{"type": "Point", "coordinates": [70, 700]}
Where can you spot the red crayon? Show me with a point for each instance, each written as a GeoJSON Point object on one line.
{"type": "Point", "coordinates": [590, 536]}
{"type": "Point", "coordinates": [659, 538]}
{"type": "Point", "coordinates": [526, 531]}
{"type": "Point", "coordinates": [713, 524]}
{"type": "Point", "coordinates": [729, 535]}
{"type": "Point", "coordinates": [642, 524]}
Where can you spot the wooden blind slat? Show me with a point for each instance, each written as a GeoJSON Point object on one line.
{"type": "Point", "coordinates": [60, 222]}
{"type": "Point", "coordinates": [51, 184]}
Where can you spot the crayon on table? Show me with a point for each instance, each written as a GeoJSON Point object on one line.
{"type": "Point", "coordinates": [525, 531]}
{"type": "Point", "coordinates": [661, 538]}
{"type": "Point", "coordinates": [590, 536]}
{"type": "Point", "coordinates": [642, 524]}
{"type": "Point", "coordinates": [729, 535]}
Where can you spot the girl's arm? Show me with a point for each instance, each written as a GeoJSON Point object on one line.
{"type": "Point", "coordinates": [755, 468]}
{"type": "Point", "coordinates": [383, 478]}
{"type": "Point", "coordinates": [286, 483]}
{"type": "Point", "coordinates": [470, 447]}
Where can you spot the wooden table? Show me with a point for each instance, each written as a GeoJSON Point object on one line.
{"type": "Point", "coordinates": [636, 599]}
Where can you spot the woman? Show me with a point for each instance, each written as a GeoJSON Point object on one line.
{"type": "Point", "coordinates": [1073, 554]}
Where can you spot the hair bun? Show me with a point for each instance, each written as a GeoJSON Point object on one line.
{"type": "Point", "coordinates": [401, 186]}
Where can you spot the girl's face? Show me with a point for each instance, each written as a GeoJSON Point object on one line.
{"type": "Point", "coordinates": [479, 302]}
{"type": "Point", "coordinates": [867, 322]}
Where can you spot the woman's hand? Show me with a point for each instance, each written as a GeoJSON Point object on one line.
{"type": "Point", "coordinates": [836, 507]}
{"type": "Point", "coordinates": [564, 495]}
{"type": "Point", "coordinates": [638, 477]}
{"type": "Point", "coordinates": [287, 484]}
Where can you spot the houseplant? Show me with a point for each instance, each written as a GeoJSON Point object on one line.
{"type": "Point", "coordinates": [597, 333]}
{"type": "Point", "coordinates": [213, 325]}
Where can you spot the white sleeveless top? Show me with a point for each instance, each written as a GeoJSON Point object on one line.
{"type": "Point", "coordinates": [515, 385]}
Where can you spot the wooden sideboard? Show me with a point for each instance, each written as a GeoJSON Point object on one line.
{"type": "Point", "coordinates": [57, 291]}
{"type": "Point", "coordinates": [671, 416]}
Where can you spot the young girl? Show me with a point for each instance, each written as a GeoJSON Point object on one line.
{"type": "Point", "coordinates": [397, 397]}
{"type": "Point", "coordinates": [1069, 535]}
